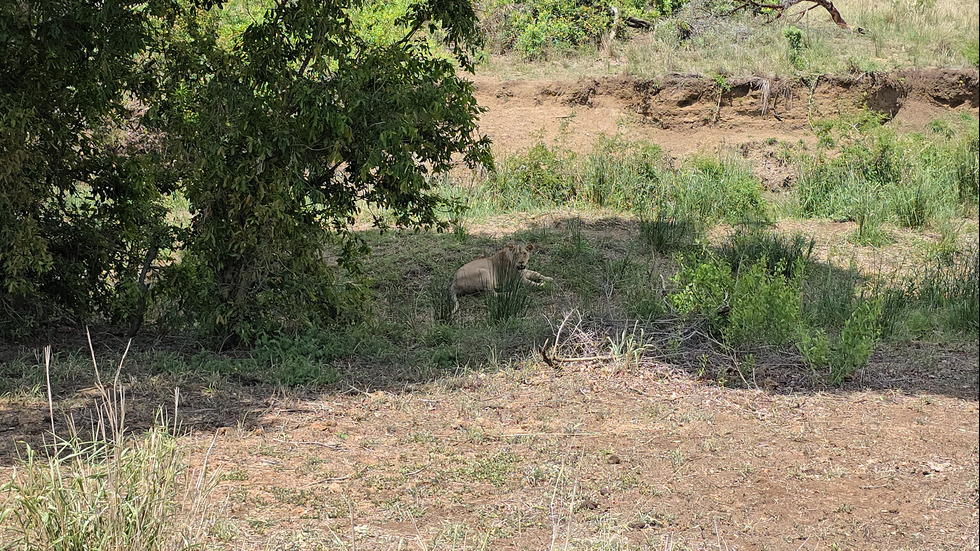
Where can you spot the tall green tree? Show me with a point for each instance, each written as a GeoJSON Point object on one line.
{"type": "Point", "coordinates": [285, 136]}
{"type": "Point", "coordinates": [79, 208]}
{"type": "Point", "coordinates": [277, 141]}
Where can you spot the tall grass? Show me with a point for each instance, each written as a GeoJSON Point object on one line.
{"type": "Point", "coordinates": [942, 296]}
{"type": "Point", "coordinates": [625, 176]}
{"type": "Point", "coordinates": [870, 174]}
{"type": "Point", "coordinates": [107, 489]}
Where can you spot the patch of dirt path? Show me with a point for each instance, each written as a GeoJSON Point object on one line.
{"type": "Point", "coordinates": [594, 458]}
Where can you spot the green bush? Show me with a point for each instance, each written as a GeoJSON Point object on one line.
{"type": "Point", "coordinates": [748, 307]}
{"type": "Point", "coordinates": [838, 360]}
{"type": "Point", "coordinates": [544, 26]}
{"type": "Point", "coordinates": [765, 308]}
{"type": "Point", "coordinates": [795, 47]}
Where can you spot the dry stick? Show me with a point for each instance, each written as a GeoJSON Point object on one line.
{"type": "Point", "coordinates": [571, 505]}
{"type": "Point", "coordinates": [781, 8]}
{"type": "Point", "coordinates": [721, 91]}
{"type": "Point", "coordinates": [809, 102]}
{"type": "Point", "coordinates": [353, 535]}
{"type": "Point", "coordinates": [47, 375]}
{"type": "Point", "coordinates": [176, 404]}
{"type": "Point", "coordinates": [102, 412]}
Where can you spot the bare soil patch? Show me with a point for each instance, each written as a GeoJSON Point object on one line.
{"type": "Point", "coordinates": [686, 114]}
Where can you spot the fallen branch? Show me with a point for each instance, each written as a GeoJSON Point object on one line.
{"type": "Point", "coordinates": [781, 7]}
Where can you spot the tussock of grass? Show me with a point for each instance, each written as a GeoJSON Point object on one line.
{"type": "Point", "coordinates": [942, 296]}
{"type": "Point", "coordinates": [624, 176]}
{"type": "Point", "coordinates": [870, 174]}
{"type": "Point", "coordinates": [109, 490]}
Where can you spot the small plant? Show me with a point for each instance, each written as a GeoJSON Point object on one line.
{"type": "Point", "coordinates": [456, 212]}
{"type": "Point", "coordinates": [795, 47]}
{"type": "Point", "coordinates": [765, 308]}
{"type": "Point", "coordinates": [841, 359]}
{"type": "Point", "coordinates": [628, 347]}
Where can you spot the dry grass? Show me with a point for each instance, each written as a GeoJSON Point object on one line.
{"type": "Point", "coordinates": [898, 34]}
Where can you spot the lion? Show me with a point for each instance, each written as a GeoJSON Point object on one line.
{"type": "Point", "coordinates": [489, 273]}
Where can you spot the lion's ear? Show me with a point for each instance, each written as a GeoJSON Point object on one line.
{"type": "Point", "coordinates": [512, 245]}
{"type": "Point", "coordinates": [529, 247]}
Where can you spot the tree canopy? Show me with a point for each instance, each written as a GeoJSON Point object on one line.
{"type": "Point", "coordinates": [275, 139]}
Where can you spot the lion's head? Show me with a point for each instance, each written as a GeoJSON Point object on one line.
{"type": "Point", "coordinates": [518, 253]}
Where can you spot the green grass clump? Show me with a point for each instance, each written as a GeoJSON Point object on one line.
{"type": "Point", "coordinates": [942, 297]}
{"type": "Point", "coordinates": [719, 189]}
{"type": "Point", "coordinates": [870, 174]}
{"type": "Point", "coordinates": [667, 233]}
{"type": "Point", "coordinates": [543, 177]}
{"type": "Point", "coordinates": [749, 246]}
{"type": "Point", "coordinates": [511, 301]}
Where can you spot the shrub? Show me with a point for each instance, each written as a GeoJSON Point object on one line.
{"type": "Point", "coordinates": [795, 47]}
{"type": "Point", "coordinates": [748, 307]}
{"type": "Point", "coordinates": [851, 351]}
{"type": "Point", "coordinates": [543, 26]}
{"type": "Point", "coordinates": [765, 307]}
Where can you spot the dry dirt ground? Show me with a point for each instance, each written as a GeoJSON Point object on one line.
{"type": "Point", "coordinates": [685, 114]}
{"type": "Point", "coordinates": [601, 454]}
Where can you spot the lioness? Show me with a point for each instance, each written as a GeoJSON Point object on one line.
{"type": "Point", "coordinates": [487, 274]}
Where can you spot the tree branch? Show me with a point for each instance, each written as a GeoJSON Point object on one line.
{"type": "Point", "coordinates": [781, 7]}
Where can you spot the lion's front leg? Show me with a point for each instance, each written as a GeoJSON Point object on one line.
{"type": "Point", "coordinates": [534, 278]}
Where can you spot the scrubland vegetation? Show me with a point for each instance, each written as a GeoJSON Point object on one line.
{"type": "Point", "coordinates": [223, 273]}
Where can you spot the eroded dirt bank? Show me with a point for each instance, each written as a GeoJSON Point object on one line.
{"type": "Point", "coordinates": [688, 113]}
